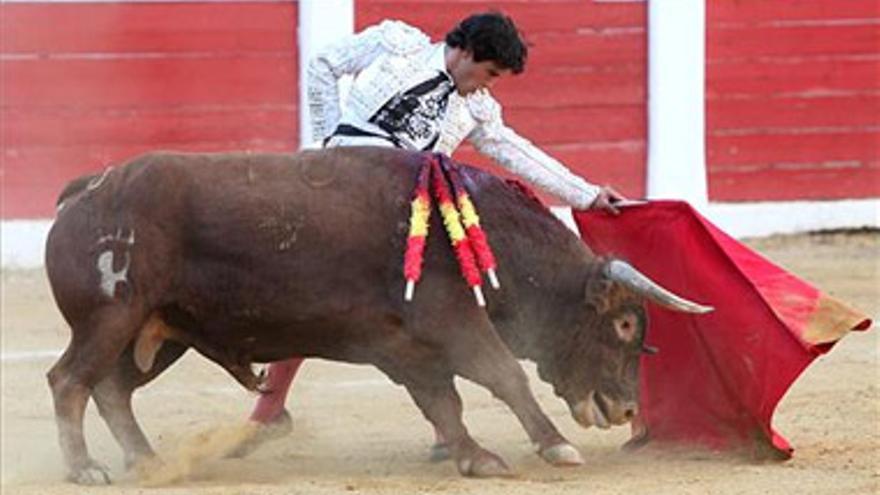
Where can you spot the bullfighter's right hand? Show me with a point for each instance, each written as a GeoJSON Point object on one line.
{"type": "Point", "coordinates": [607, 199]}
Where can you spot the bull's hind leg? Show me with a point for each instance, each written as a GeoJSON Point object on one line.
{"type": "Point", "coordinates": [95, 347]}
{"type": "Point", "coordinates": [113, 398]}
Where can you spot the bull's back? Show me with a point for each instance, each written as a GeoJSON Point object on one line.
{"type": "Point", "coordinates": [296, 210]}
{"type": "Point", "coordinates": [258, 222]}
{"type": "Point", "coordinates": [266, 234]}
{"type": "Point", "coordinates": [297, 237]}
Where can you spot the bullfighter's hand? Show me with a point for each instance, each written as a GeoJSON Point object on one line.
{"type": "Point", "coordinates": [607, 199]}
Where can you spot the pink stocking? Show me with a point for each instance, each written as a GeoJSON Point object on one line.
{"type": "Point", "coordinates": [271, 403]}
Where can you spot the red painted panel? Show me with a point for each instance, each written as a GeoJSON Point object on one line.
{"type": "Point", "coordinates": [793, 108]}
{"type": "Point", "coordinates": [791, 112]}
{"type": "Point", "coordinates": [579, 124]}
{"type": "Point", "coordinates": [584, 49]}
{"type": "Point", "coordinates": [765, 148]}
{"type": "Point", "coordinates": [147, 27]}
{"type": "Point", "coordinates": [34, 176]}
{"type": "Point", "coordinates": [789, 10]}
{"type": "Point", "coordinates": [136, 77]}
{"type": "Point", "coordinates": [436, 17]}
{"type": "Point", "coordinates": [560, 89]}
{"type": "Point", "coordinates": [807, 77]}
{"type": "Point", "coordinates": [793, 41]}
{"type": "Point", "coordinates": [178, 126]}
{"type": "Point", "coordinates": [270, 78]}
{"type": "Point", "coordinates": [127, 78]}
{"type": "Point", "coordinates": [619, 165]}
{"type": "Point", "coordinates": [815, 182]}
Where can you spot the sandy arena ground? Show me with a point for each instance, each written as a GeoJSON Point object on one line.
{"type": "Point", "coordinates": [355, 432]}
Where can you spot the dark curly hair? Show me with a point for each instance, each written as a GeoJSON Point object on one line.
{"type": "Point", "coordinates": [491, 36]}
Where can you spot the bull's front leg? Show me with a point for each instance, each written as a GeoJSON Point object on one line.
{"type": "Point", "coordinates": [424, 372]}
{"type": "Point", "coordinates": [480, 355]}
{"type": "Point", "coordinates": [441, 405]}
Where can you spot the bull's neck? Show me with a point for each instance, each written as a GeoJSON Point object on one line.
{"type": "Point", "coordinates": [542, 265]}
{"type": "Point", "coordinates": [540, 300]}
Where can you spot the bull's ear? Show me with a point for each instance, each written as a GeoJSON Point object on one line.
{"type": "Point", "coordinates": [598, 293]}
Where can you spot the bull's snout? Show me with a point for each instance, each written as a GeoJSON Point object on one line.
{"type": "Point", "coordinates": [630, 409]}
{"type": "Point", "coordinates": [600, 411]}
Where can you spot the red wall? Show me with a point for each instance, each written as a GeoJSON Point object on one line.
{"type": "Point", "coordinates": [793, 99]}
{"type": "Point", "coordinates": [582, 96]}
{"type": "Point", "coordinates": [793, 89]}
{"type": "Point", "coordinates": [88, 85]}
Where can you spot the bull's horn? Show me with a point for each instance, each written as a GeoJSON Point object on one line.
{"type": "Point", "coordinates": [626, 274]}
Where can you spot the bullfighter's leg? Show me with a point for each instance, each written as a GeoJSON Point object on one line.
{"type": "Point", "coordinates": [113, 398]}
{"type": "Point", "coordinates": [93, 351]}
{"type": "Point", "coordinates": [270, 402]}
{"type": "Point", "coordinates": [478, 354]}
{"type": "Point", "coordinates": [269, 413]}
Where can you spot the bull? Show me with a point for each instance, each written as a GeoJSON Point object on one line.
{"type": "Point", "coordinates": [253, 258]}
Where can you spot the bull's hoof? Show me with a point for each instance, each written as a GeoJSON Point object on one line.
{"type": "Point", "coordinates": [483, 464]}
{"type": "Point", "coordinates": [440, 452]}
{"type": "Point", "coordinates": [279, 427]}
{"type": "Point", "coordinates": [636, 443]}
{"type": "Point", "coordinates": [563, 454]}
{"type": "Point", "coordinates": [92, 474]}
{"type": "Point", "coordinates": [133, 460]}
{"type": "Point", "coordinates": [245, 375]}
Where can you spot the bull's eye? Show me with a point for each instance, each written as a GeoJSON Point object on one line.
{"type": "Point", "coordinates": [626, 327]}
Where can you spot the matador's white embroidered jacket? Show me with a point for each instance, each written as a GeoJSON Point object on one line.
{"type": "Point", "coordinates": [388, 59]}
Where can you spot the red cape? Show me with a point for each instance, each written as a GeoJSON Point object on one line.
{"type": "Point", "coordinates": [718, 377]}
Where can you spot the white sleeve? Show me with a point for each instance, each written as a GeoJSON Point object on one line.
{"type": "Point", "coordinates": [349, 56]}
{"type": "Point", "coordinates": [517, 154]}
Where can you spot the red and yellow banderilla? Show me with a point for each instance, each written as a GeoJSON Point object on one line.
{"type": "Point", "coordinates": [467, 262]}
{"type": "Point", "coordinates": [420, 214]}
{"type": "Point", "coordinates": [476, 235]}
{"type": "Point", "coordinates": [469, 242]}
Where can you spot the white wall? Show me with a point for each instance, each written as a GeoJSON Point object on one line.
{"type": "Point", "coordinates": [676, 150]}
{"type": "Point", "coordinates": [677, 129]}
{"type": "Point", "coordinates": [676, 101]}
{"type": "Point", "coordinates": [320, 22]}
{"type": "Point", "coordinates": [22, 243]}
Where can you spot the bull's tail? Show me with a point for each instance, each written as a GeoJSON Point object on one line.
{"type": "Point", "coordinates": [80, 184]}
{"type": "Point", "coordinates": [73, 187]}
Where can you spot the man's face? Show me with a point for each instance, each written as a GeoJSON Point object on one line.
{"type": "Point", "coordinates": [470, 76]}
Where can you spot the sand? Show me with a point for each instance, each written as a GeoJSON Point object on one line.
{"type": "Point", "coordinates": [356, 432]}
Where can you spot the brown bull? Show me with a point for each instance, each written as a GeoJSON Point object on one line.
{"type": "Point", "coordinates": [259, 257]}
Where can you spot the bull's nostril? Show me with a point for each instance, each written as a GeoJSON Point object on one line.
{"type": "Point", "coordinates": [629, 414]}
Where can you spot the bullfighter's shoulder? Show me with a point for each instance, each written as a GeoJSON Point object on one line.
{"type": "Point", "coordinates": [400, 38]}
